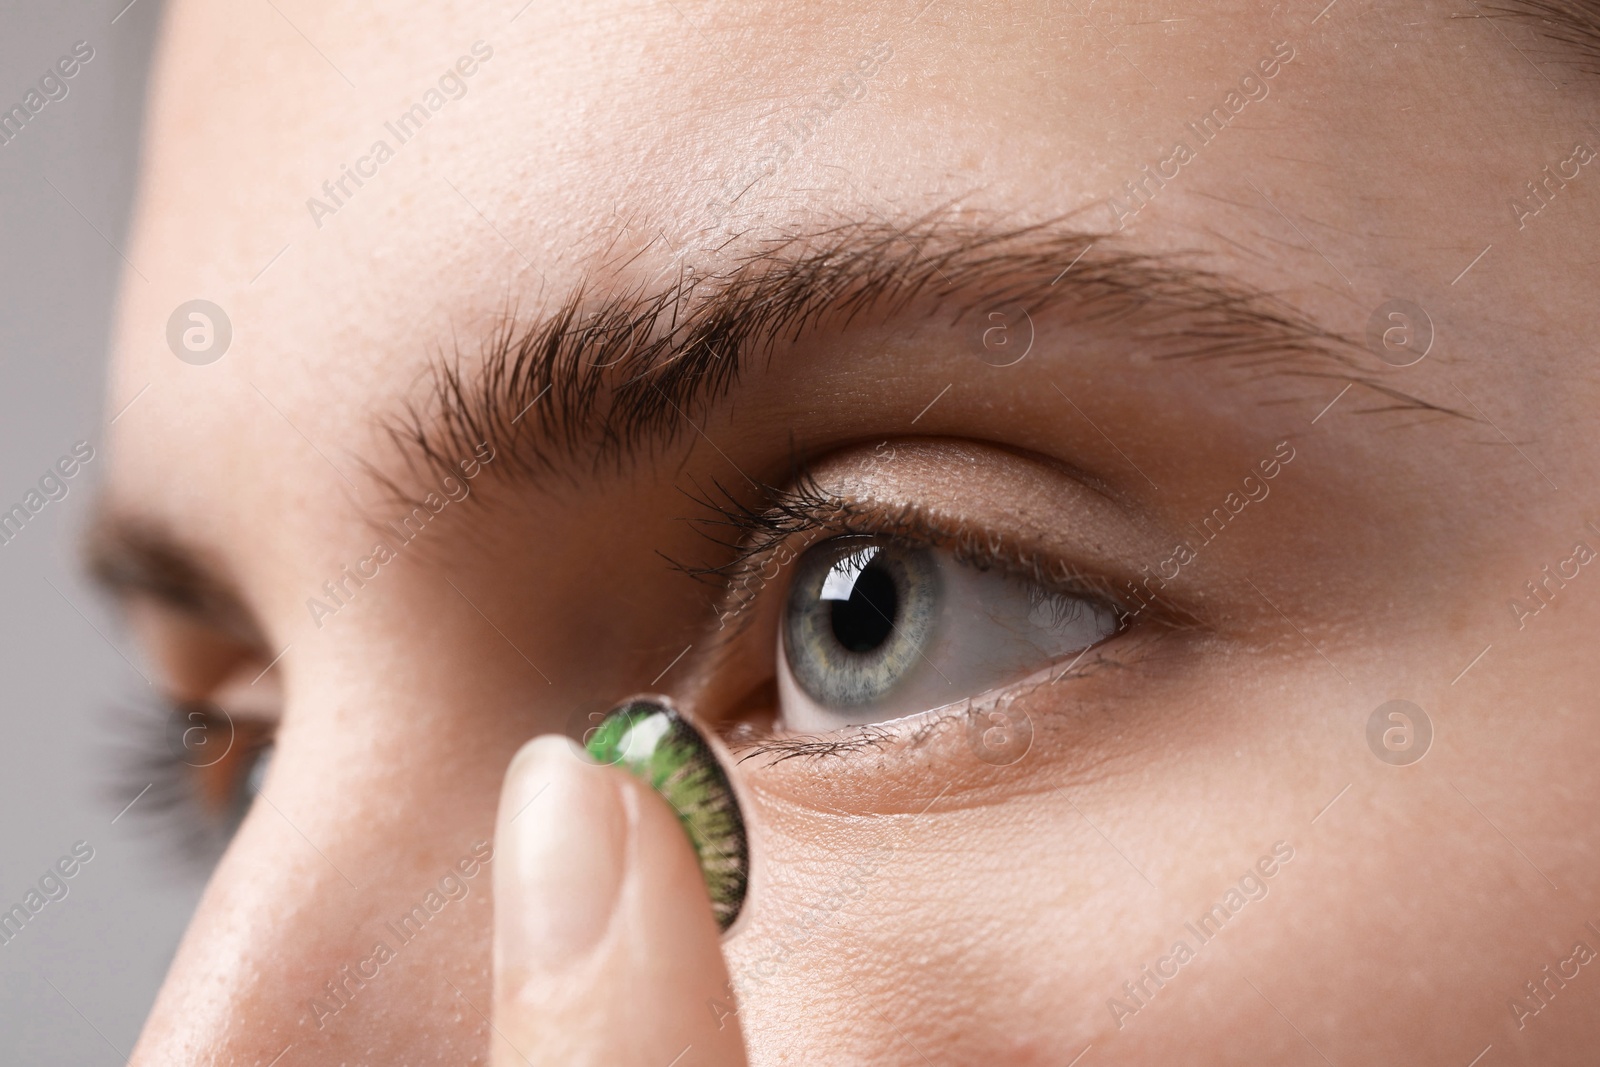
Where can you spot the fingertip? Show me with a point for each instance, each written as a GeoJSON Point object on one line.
{"type": "Point", "coordinates": [542, 749]}
{"type": "Point", "coordinates": [562, 840]}
{"type": "Point", "coordinates": [606, 947]}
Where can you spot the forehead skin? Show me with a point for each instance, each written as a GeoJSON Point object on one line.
{"type": "Point", "coordinates": [1379, 166]}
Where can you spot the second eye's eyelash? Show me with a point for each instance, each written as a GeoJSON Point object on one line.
{"type": "Point", "coordinates": [195, 803]}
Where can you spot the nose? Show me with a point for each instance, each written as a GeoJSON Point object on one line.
{"type": "Point", "coordinates": [349, 919]}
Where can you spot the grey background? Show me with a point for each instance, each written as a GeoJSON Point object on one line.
{"type": "Point", "coordinates": [105, 946]}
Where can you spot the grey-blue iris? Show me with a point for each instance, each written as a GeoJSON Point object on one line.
{"type": "Point", "coordinates": [859, 615]}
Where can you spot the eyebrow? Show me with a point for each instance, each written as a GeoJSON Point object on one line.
{"type": "Point", "coordinates": [132, 558]}
{"type": "Point", "coordinates": [617, 372]}
{"type": "Point", "coordinates": [630, 372]}
{"type": "Point", "coordinates": [1573, 25]}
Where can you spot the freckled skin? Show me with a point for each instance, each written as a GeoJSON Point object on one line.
{"type": "Point", "coordinates": [1003, 906]}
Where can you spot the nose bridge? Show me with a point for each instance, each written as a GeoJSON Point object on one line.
{"type": "Point", "coordinates": [360, 879]}
{"type": "Point", "coordinates": [329, 945]}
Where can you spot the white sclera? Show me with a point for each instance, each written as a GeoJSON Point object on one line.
{"type": "Point", "coordinates": [988, 629]}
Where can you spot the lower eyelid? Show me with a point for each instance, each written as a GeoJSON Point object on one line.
{"type": "Point", "coordinates": [1063, 732]}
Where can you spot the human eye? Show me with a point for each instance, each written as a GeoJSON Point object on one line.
{"type": "Point", "coordinates": [192, 769]}
{"type": "Point", "coordinates": [876, 628]}
{"type": "Point", "coordinates": [193, 752]}
{"type": "Point", "coordinates": [858, 611]}
{"type": "Point", "coordinates": [199, 768]}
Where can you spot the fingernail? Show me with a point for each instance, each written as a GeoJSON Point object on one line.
{"type": "Point", "coordinates": [564, 840]}
{"type": "Point", "coordinates": [649, 739]}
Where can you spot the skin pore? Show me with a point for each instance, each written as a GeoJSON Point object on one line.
{"type": "Point", "coordinates": [713, 282]}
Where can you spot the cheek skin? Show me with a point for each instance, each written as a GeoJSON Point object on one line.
{"type": "Point", "coordinates": [1064, 876]}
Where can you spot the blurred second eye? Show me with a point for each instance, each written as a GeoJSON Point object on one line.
{"type": "Point", "coordinates": [875, 630]}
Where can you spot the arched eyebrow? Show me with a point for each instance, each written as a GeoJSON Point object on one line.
{"type": "Point", "coordinates": [619, 373]}
{"type": "Point", "coordinates": [620, 370]}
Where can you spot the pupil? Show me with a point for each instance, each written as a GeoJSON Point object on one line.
{"type": "Point", "coordinates": [865, 621]}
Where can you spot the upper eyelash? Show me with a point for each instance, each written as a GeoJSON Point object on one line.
{"type": "Point", "coordinates": [782, 514]}
{"type": "Point", "coordinates": [779, 515]}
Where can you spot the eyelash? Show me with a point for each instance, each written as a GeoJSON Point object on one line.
{"type": "Point", "coordinates": [169, 789]}
{"type": "Point", "coordinates": [805, 512]}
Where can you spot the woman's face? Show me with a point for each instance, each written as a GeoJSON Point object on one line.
{"type": "Point", "coordinates": [1195, 379]}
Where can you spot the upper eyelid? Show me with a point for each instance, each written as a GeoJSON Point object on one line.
{"type": "Point", "coordinates": [812, 515]}
{"type": "Point", "coordinates": [598, 351]}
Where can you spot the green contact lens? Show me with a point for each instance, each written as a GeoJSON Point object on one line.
{"type": "Point", "coordinates": [650, 740]}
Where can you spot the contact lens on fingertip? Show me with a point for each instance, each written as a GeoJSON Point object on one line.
{"type": "Point", "coordinates": [649, 739]}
